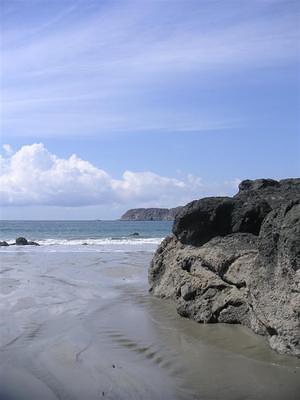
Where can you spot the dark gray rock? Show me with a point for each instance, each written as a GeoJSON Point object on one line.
{"type": "Point", "coordinates": [31, 243]}
{"type": "Point", "coordinates": [274, 289]}
{"type": "Point", "coordinates": [21, 241]}
{"type": "Point", "coordinates": [248, 216]}
{"type": "Point", "coordinates": [201, 220]}
{"type": "Point", "coordinates": [237, 260]}
{"type": "Point", "coordinates": [4, 244]}
{"type": "Point", "coordinates": [258, 184]}
{"type": "Point", "coordinates": [275, 193]}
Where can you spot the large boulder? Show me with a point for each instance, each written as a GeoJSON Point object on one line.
{"type": "Point", "coordinates": [201, 220]}
{"type": "Point", "coordinates": [237, 260]}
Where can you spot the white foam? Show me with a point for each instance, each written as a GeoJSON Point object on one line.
{"type": "Point", "coordinates": [100, 242]}
{"type": "Point", "coordinates": [124, 244]}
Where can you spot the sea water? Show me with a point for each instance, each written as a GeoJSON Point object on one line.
{"type": "Point", "coordinates": [77, 322]}
{"type": "Point", "coordinates": [108, 236]}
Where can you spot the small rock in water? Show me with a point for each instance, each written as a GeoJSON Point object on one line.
{"type": "Point", "coordinates": [134, 234]}
{"type": "Point", "coordinates": [31, 243]}
{"type": "Point", "coordinates": [4, 244]}
{"type": "Point", "coordinates": [21, 241]}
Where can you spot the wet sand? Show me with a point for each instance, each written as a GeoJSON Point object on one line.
{"type": "Point", "coordinates": [83, 326]}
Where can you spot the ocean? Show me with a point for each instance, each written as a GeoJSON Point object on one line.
{"type": "Point", "coordinates": [83, 236]}
{"type": "Point", "coordinates": [77, 322]}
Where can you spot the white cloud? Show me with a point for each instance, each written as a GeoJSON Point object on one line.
{"type": "Point", "coordinates": [7, 148]}
{"type": "Point", "coordinates": [34, 176]}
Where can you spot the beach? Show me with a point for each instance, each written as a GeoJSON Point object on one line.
{"type": "Point", "coordinates": [149, 200]}
{"type": "Point", "coordinates": [77, 322]}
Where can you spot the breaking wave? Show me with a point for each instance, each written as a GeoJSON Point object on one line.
{"type": "Point", "coordinates": [101, 242]}
{"type": "Point", "coordinates": [113, 244]}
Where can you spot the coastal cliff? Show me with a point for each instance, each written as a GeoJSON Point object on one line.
{"type": "Point", "coordinates": [150, 214]}
{"type": "Point", "coordinates": [237, 260]}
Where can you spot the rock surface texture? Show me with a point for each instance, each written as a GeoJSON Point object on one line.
{"type": "Point", "coordinates": [150, 214]}
{"type": "Point", "coordinates": [237, 260]}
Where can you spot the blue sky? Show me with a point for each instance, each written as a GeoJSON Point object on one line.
{"type": "Point", "coordinates": [188, 97]}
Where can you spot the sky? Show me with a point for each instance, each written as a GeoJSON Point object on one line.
{"type": "Point", "coordinates": [109, 105]}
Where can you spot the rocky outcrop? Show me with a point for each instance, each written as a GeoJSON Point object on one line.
{"type": "Point", "coordinates": [274, 192]}
{"type": "Point", "coordinates": [150, 214]}
{"type": "Point", "coordinates": [20, 241]}
{"type": "Point", "coordinates": [237, 260]}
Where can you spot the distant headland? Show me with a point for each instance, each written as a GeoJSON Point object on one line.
{"type": "Point", "coordinates": [150, 214]}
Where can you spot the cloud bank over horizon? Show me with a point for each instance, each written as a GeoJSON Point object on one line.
{"type": "Point", "coordinates": [33, 176]}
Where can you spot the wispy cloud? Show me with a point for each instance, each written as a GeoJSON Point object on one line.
{"type": "Point", "coordinates": [126, 62]}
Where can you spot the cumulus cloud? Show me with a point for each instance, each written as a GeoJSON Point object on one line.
{"type": "Point", "coordinates": [34, 176]}
{"type": "Point", "coordinates": [7, 148]}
